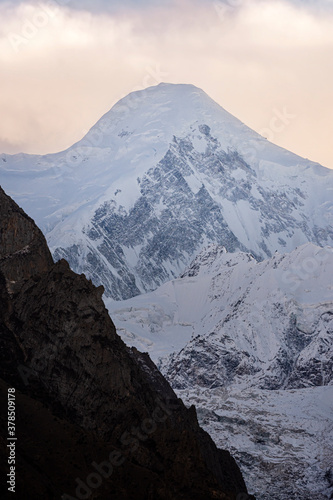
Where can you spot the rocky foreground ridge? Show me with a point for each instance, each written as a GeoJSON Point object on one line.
{"type": "Point", "coordinates": [94, 419]}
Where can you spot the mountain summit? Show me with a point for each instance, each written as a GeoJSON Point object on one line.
{"type": "Point", "coordinates": [164, 173]}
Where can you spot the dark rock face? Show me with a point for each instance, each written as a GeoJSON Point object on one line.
{"type": "Point", "coordinates": [95, 419]}
{"type": "Point", "coordinates": [23, 250]}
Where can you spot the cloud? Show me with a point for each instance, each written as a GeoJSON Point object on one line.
{"type": "Point", "coordinates": [93, 6]}
{"type": "Point", "coordinates": [11, 147]}
{"type": "Point", "coordinates": [66, 68]}
{"type": "Point", "coordinates": [103, 6]}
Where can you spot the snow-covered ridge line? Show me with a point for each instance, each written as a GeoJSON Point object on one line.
{"type": "Point", "coordinates": [274, 317]}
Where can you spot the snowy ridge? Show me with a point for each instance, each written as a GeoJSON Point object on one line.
{"type": "Point", "coordinates": [268, 319]}
{"type": "Point", "coordinates": [251, 345]}
{"type": "Point", "coordinates": [164, 173]}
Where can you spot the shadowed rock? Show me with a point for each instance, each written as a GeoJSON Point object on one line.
{"type": "Point", "coordinates": [82, 395]}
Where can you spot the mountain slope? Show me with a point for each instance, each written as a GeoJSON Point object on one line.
{"type": "Point", "coordinates": [282, 439]}
{"type": "Point", "coordinates": [251, 345]}
{"type": "Point", "coordinates": [94, 417]}
{"type": "Point", "coordinates": [165, 172]}
{"type": "Point", "coordinates": [267, 324]}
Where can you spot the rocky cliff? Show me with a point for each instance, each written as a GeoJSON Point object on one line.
{"type": "Point", "coordinates": [95, 419]}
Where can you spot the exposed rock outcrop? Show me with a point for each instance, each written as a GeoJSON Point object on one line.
{"type": "Point", "coordinates": [23, 249]}
{"type": "Point", "coordinates": [83, 398]}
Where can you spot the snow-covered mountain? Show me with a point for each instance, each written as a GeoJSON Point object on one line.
{"type": "Point", "coordinates": [251, 345]}
{"type": "Point", "coordinates": [232, 320]}
{"type": "Point", "coordinates": [164, 173]}
{"type": "Point", "coordinates": [168, 180]}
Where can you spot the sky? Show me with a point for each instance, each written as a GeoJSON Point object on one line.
{"type": "Point", "coordinates": [64, 63]}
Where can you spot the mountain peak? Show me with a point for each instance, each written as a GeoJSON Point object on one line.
{"type": "Point", "coordinates": [160, 111]}
{"type": "Point", "coordinates": [166, 172]}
